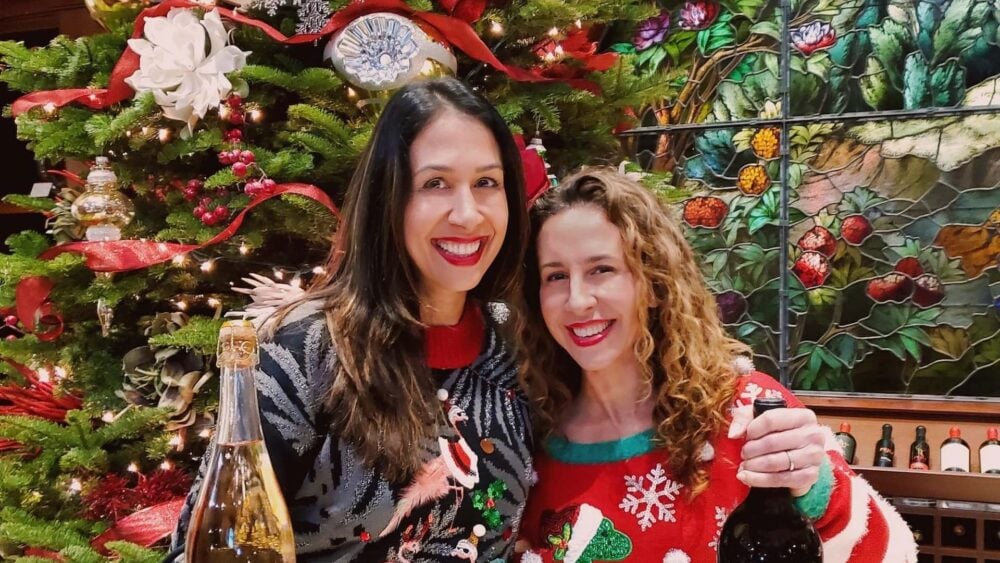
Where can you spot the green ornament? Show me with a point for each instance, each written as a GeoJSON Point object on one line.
{"type": "Point", "coordinates": [608, 544]}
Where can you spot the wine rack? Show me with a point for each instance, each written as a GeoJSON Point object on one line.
{"type": "Point", "coordinates": [955, 517]}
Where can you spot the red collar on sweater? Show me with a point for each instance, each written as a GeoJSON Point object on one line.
{"type": "Point", "coordinates": [456, 346]}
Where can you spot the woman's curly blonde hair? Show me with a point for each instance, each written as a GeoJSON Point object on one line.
{"type": "Point", "coordinates": [684, 353]}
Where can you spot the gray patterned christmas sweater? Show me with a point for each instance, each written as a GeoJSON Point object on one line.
{"type": "Point", "coordinates": [465, 503]}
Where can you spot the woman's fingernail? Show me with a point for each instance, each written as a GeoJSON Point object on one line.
{"type": "Point", "coordinates": [736, 430]}
{"type": "Point", "coordinates": [742, 476]}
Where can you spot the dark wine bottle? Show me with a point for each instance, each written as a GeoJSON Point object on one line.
{"type": "Point", "coordinates": [767, 526]}
{"type": "Point", "coordinates": [920, 451]}
{"type": "Point", "coordinates": [989, 453]}
{"type": "Point", "coordinates": [955, 452]}
{"type": "Point", "coordinates": [885, 449]}
{"type": "Point", "coordinates": [846, 441]}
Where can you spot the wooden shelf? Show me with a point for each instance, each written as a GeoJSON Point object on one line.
{"type": "Point", "coordinates": [970, 487]}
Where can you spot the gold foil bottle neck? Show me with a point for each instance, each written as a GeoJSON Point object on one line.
{"type": "Point", "coordinates": [237, 345]}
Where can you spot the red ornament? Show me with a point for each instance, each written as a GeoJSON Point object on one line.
{"type": "Point", "coordinates": [199, 211]}
{"type": "Point", "coordinates": [226, 157]}
{"type": "Point", "coordinates": [234, 101]}
{"type": "Point", "coordinates": [236, 117]}
{"type": "Point", "coordinates": [365, 536]}
{"type": "Point", "coordinates": [234, 135]}
{"type": "Point", "coordinates": [247, 157]}
{"type": "Point", "coordinates": [268, 185]}
{"type": "Point", "coordinates": [240, 169]}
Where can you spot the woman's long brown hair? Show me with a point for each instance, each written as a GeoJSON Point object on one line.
{"type": "Point", "coordinates": [383, 395]}
{"type": "Point", "coordinates": [683, 350]}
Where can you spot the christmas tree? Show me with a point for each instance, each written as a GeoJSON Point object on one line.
{"type": "Point", "coordinates": [231, 132]}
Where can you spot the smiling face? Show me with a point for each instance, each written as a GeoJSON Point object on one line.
{"type": "Point", "coordinates": [456, 217]}
{"type": "Point", "coordinates": [588, 295]}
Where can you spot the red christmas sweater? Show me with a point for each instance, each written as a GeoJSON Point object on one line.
{"type": "Point", "coordinates": [616, 501]}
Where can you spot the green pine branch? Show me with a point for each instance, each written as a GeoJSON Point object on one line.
{"type": "Point", "coordinates": [313, 82]}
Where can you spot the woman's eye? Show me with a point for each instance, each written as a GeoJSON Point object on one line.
{"type": "Point", "coordinates": [555, 277]}
{"type": "Point", "coordinates": [487, 183]}
{"type": "Point", "coordinates": [603, 269]}
{"type": "Point", "coordinates": [434, 184]}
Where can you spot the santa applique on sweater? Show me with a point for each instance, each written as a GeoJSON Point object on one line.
{"type": "Point", "coordinates": [617, 501]}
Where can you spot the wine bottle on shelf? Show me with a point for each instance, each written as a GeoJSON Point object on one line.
{"type": "Point", "coordinates": [920, 451]}
{"type": "Point", "coordinates": [989, 452]}
{"type": "Point", "coordinates": [955, 452]}
{"type": "Point", "coordinates": [885, 449]}
{"type": "Point", "coordinates": [767, 526]}
{"type": "Point", "coordinates": [846, 441]}
{"type": "Point", "coordinates": [240, 515]}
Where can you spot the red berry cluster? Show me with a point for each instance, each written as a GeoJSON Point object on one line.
{"type": "Point", "coordinates": [236, 115]}
{"type": "Point", "coordinates": [211, 212]}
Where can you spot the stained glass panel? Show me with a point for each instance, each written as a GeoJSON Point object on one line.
{"type": "Point", "coordinates": [858, 147]}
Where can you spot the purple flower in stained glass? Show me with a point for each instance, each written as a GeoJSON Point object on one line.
{"type": "Point", "coordinates": [813, 36]}
{"type": "Point", "coordinates": [652, 31]}
{"type": "Point", "coordinates": [698, 14]}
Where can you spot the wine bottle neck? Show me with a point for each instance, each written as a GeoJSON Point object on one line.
{"type": "Point", "coordinates": [239, 416]}
{"type": "Point", "coordinates": [770, 494]}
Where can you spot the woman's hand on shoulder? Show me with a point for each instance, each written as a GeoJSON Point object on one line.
{"type": "Point", "coordinates": [783, 448]}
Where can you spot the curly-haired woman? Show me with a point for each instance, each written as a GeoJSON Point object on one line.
{"type": "Point", "coordinates": [643, 399]}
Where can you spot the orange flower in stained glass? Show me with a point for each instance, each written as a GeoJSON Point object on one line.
{"type": "Point", "coordinates": [753, 179]}
{"type": "Point", "coordinates": [705, 211]}
{"type": "Point", "coordinates": [766, 142]}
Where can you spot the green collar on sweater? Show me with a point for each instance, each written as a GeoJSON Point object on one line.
{"type": "Point", "coordinates": [563, 450]}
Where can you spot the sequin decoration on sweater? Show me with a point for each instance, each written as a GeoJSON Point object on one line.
{"type": "Point", "coordinates": [616, 501]}
{"type": "Point", "coordinates": [463, 505]}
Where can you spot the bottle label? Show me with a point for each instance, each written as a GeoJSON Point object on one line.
{"type": "Point", "coordinates": [886, 456]}
{"type": "Point", "coordinates": [954, 457]}
{"type": "Point", "coordinates": [918, 459]}
{"type": "Point", "coordinates": [989, 458]}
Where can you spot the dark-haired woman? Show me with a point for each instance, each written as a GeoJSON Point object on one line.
{"type": "Point", "coordinates": [389, 398]}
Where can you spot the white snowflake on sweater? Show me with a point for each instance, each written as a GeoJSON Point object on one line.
{"type": "Point", "coordinates": [645, 501]}
{"type": "Point", "coordinates": [720, 518]}
{"type": "Point", "coordinates": [752, 391]}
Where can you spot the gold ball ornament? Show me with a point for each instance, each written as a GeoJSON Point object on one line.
{"type": "Point", "coordinates": [105, 12]}
{"type": "Point", "coordinates": [383, 51]}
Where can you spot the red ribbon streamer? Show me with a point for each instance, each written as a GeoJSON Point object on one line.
{"type": "Point", "coordinates": [125, 255]}
{"type": "Point", "coordinates": [34, 310]}
{"type": "Point", "coordinates": [144, 527]}
{"type": "Point", "coordinates": [453, 30]}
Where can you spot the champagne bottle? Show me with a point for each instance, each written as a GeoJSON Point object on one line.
{"type": "Point", "coordinates": [955, 452]}
{"type": "Point", "coordinates": [885, 449]}
{"type": "Point", "coordinates": [240, 516]}
{"type": "Point", "coordinates": [989, 453]}
{"type": "Point", "coordinates": [920, 451]}
{"type": "Point", "coordinates": [846, 441]}
{"type": "Point", "coordinates": [767, 526]}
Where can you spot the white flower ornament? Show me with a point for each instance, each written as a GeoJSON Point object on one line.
{"type": "Point", "coordinates": [183, 61]}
